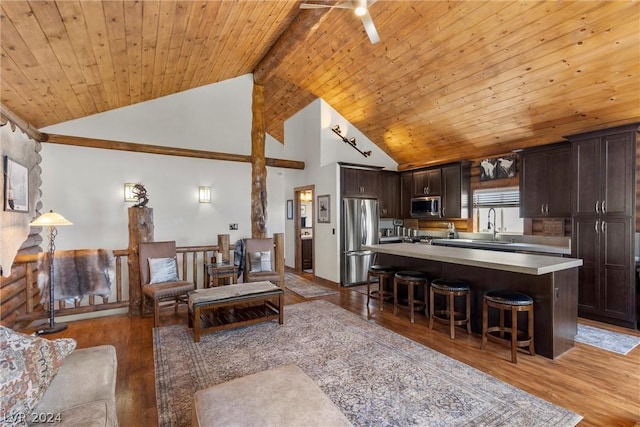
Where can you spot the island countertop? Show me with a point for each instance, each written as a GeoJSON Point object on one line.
{"type": "Point", "coordinates": [504, 261]}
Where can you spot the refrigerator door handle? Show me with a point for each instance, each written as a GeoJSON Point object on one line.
{"type": "Point", "coordinates": [363, 222]}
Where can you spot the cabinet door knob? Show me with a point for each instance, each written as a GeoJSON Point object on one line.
{"type": "Point", "coordinates": [603, 227]}
{"type": "Point", "coordinates": [596, 228]}
{"type": "Point", "coordinates": [546, 209]}
{"type": "Point", "coordinates": [603, 207]}
{"type": "Point", "coordinates": [598, 207]}
{"type": "Point", "coordinates": [542, 209]}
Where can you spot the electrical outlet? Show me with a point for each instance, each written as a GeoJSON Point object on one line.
{"type": "Point", "coordinates": [233, 226]}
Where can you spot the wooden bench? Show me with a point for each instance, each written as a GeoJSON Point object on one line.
{"type": "Point", "coordinates": [282, 397]}
{"type": "Point", "coordinates": [240, 298]}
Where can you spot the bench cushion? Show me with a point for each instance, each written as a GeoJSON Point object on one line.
{"type": "Point", "coordinates": [283, 396]}
{"type": "Point", "coordinates": [221, 293]}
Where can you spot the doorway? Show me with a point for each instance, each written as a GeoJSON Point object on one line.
{"type": "Point", "coordinates": [304, 228]}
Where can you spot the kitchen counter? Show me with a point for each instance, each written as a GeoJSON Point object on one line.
{"type": "Point", "coordinates": [551, 281]}
{"type": "Point", "coordinates": [504, 246]}
{"type": "Point", "coordinates": [505, 261]}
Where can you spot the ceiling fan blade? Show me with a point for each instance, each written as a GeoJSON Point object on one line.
{"type": "Point", "coordinates": [345, 5]}
{"type": "Point", "coordinates": [370, 28]}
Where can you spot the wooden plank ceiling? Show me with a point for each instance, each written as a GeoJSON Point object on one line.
{"type": "Point", "coordinates": [448, 81]}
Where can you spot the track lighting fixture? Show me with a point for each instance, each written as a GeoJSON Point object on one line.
{"type": "Point", "coordinates": [351, 141]}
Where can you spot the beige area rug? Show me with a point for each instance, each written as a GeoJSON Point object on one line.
{"type": "Point", "coordinates": [408, 385]}
{"type": "Point", "coordinates": [305, 288]}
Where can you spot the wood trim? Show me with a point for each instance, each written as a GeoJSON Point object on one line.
{"type": "Point", "coordinates": [24, 125]}
{"type": "Point", "coordinates": [106, 144]}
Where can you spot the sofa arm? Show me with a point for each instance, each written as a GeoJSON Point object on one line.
{"type": "Point", "coordinates": [87, 375]}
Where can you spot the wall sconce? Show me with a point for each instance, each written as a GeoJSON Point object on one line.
{"type": "Point", "coordinates": [204, 194]}
{"type": "Point", "coordinates": [129, 196]}
{"type": "Point", "coordinates": [351, 141]}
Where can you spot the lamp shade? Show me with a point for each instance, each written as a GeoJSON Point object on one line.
{"type": "Point", "coordinates": [50, 218]}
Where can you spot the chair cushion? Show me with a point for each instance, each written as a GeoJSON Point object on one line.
{"type": "Point", "coordinates": [449, 285]}
{"type": "Point", "coordinates": [381, 269]}
{"type": "Point", "coordinates": [259, 261]}
{"type": "Point", "coordinates": [411, 275]}
{"type": "Point", "coordinates": [163, 270]}
{"type": "Point", "coordinates": [167, 289]}
{"type": "Point", "coordinates": [508, 297]}
{"type": "Point", "coordinates": [29, 364]}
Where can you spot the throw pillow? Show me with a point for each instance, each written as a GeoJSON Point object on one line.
{"type": "Point", "coordinates": [260, 261]}
{"type": "Point", "coordinates": [163, 270]}
{"type": "Point", "coordinates": [28, 364]}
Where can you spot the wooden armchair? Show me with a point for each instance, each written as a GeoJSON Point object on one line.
{"type": "Point", "coordinates": [264, 260]}
{"type": "Point", "coordinates": [159, 281]}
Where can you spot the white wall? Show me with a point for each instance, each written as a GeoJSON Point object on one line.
{"type": "Point", "coordinates": [86, 185]}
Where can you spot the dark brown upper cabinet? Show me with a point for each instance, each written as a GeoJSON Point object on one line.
{"type": "Point", "coordinates": [357, 182]}
{"type": "Point", "coordinates": [389, 195]}
{"type": "Point", "coordinates": [427, 182]}
{"type": "Point", "coordinates": [456, 190]}
{"type": "Point", "coordinates": [545, 182]}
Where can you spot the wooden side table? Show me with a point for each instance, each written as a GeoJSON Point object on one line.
{"type": "Point", "coordinates": [221, 271]}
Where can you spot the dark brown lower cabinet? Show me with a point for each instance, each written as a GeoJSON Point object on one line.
{"type": "Point", "coordinates": [604, 245]}
{"type": "Point", "coordinates": [307, 254]}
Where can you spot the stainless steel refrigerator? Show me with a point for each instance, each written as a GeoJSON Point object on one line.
{"type": "Point", "coordinates": [359, 227]}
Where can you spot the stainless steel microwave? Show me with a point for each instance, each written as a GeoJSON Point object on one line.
{"type": "Point", "coordinates": [426, 207]}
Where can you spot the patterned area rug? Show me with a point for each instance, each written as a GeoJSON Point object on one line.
{"type": "Point", "coordinates": [409, 384]}
{"type": "Point", "coordinates": [607, 340]}
{"type": "Point", "coordinates": [304, 287]}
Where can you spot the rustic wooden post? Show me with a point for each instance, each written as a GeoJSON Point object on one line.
{"type": "Point", "coordinates": [278, 239]}
{"type": "Point", "coordinates": [223, 246]}
{"type": "Point", "coordinates": [258, 166]}
{"type": "Point", "coordinates": [140, 230]}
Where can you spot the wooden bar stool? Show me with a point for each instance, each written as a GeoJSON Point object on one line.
{"type": "Point", "coordinates": [382, 273]}
{"type": "Point", "coordinates": [450, 289]}
{"type": "Point", "coordinates": [505, 300]}
{"type": "Point", "coordinates": [411, 279]}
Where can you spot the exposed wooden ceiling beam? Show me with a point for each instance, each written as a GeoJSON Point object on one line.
{"type": "Point", "coordinates": [24, 125]}
{"type": "Point", "coordinates": [167, 151]}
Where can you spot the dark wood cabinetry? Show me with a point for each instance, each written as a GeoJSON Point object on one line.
{"type": "Point", "coordinates": [545, 182]}
{"type": "Point", "coordinates": [406, 192]}
{"type": "Point", "coordinates": [455, 191]}
{"type": "Point", "coordinates": [307, 254]}
{"type": "Point", "coordinates": [389, 196]}
{"type": "Point", "coordinates": [358, 182]}
{"type": "Point", "coordinates": [603, 203]}
{"type": "Point", "coordinates": [427, 182]}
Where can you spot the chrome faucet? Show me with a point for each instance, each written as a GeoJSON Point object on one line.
{"type": "Point", "coordinates": [492, 225]}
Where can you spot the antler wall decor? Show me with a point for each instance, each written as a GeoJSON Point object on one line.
{"type": "Point", "coordinates": [351, 141]}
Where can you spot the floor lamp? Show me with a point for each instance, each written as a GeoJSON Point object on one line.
{"type": "Point", "coordinates": [51, 220]}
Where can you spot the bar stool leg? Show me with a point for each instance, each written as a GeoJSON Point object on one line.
{"type": "Point", "coordinates": [431, 298]}
{"type": "Point", "coordinates": [395, 296]}
{"type": "Point", "coordinates": [501, 323]}
{"type": "Point", "coordinates": [369, 287]}
{"type": "Point", "coordinates": [469, 312]}
{"type": "Point", "coordinates": [485, 323]}
{"type": "Point", "coordinates": [411, 286]}
{"type": "Point", "coordinates": [452, 316]}
{"type": "Point", "coordinates": [381, 290]}
{"type": "Point", "coordinates": [530, 326]}
{"type": "Point", "coordinates": [514, 334]}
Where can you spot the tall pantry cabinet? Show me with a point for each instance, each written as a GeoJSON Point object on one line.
{"type": "Point", "coordinates": [603, 206]}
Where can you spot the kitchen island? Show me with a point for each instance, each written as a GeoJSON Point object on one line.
{"type": "Point", "coordinates": [552, 282]}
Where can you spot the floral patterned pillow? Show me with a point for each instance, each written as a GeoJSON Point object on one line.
{"type": "Point", "coordinates": [28, 364]}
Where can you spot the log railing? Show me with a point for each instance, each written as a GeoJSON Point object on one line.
{"type": "Point", "coordinates": [20, 296]}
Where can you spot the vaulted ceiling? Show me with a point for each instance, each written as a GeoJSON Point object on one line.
{"type": "Point", "coordinates": [448, 81]}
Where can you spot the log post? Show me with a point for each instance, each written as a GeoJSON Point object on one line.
{"type": "Point", "coordinates": [258, 166]}
{"type": "Point", "coordinates": [223, 246]}
{"type": "Point", "coordinates": [140, 231]}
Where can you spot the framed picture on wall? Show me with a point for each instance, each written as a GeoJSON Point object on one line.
{"type": "Point", "coordinates": [324, 208]}
{"type": "Point", "coordinates": [289, 209]}
{"type": "Point", "coordinates": [16, 186]}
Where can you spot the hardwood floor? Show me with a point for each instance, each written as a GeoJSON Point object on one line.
{"type": "Point", "coordinates": [601, 386]}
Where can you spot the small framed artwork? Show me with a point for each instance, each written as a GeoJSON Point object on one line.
{"type": "Point", "coordinates": [16, 186]}
{"type": "Point", "coordinates": [324, 208]}
{"type": "Point", "coordinates": [289, 209]}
